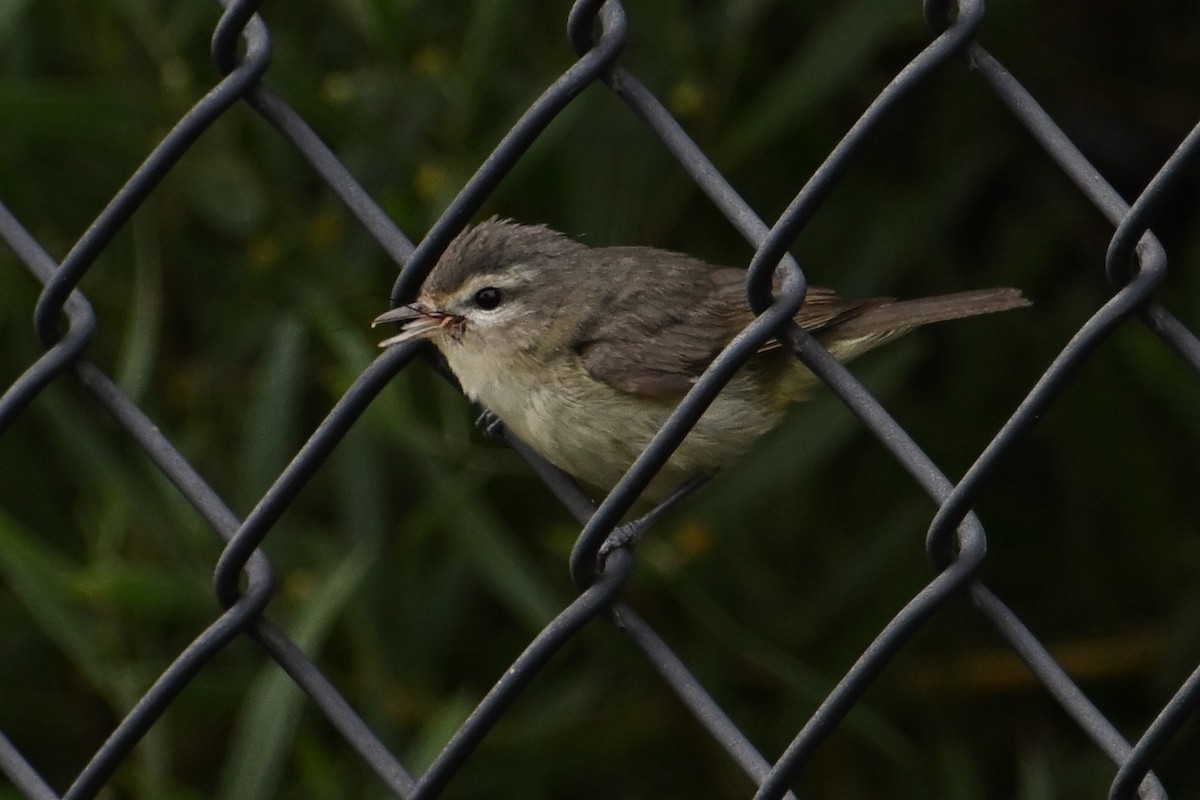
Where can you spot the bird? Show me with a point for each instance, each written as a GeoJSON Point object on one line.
{"type": "Point", "coordinates": [583, 352]}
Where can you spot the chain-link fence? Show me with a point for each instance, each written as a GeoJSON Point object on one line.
{"type": "Point", "coordinates": [246, 584]}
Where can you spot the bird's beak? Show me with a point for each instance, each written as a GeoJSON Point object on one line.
{"type": "Point", "coordinates": [418, 320]}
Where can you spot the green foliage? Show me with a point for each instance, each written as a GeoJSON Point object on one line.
{"type": "Point", "coordinates": [421, 560]}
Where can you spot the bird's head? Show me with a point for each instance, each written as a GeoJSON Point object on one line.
{"type": "Point", "coordinates": [496, 287]}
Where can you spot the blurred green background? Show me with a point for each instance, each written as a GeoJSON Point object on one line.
{"type": "Point", "coordinates": [421, 559]}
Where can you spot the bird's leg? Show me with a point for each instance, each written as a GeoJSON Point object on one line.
{"type": "Point", "coordinates": [629, 534]}
{"type": "Point", "coordinates": [490, 425]}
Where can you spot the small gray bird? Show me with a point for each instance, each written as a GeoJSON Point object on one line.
{"type": "Point", "coordinates": [583, 351]}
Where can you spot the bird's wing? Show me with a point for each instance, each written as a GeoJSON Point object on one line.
{"type": "Point", "coordinates": [656, 340]}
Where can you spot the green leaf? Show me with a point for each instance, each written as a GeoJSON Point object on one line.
{"type": "Point", "coordinates": [836, 53]}
{"type": "Point", "coordinates": [488, 546]}
{"type": "Point", "coordinates": [144, 331]}
{"type": "Point", "coordinates": [43, 580]}
{"type": "Point", "coordinates": [273, 416]}
{"type": "Point", "coordinates": [267, 723]}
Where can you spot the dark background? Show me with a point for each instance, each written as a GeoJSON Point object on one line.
{"type": "Point", "coordinates": [421, 560]}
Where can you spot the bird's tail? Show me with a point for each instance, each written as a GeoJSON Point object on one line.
{"type": "Point", "coordinates": [904, 315]}
{"type": "Point", "coordinates": [882, 321]}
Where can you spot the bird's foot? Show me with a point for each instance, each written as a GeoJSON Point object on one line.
{"type": "Point", "coordinates": [629, 534]}
{"type": "Point", "coordinates": [490, 425]}
{"type": "Point", "coordinates": [626, 535]}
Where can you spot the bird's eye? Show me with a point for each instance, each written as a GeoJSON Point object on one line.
{"type": "Point", "coordinates": [488, 298]}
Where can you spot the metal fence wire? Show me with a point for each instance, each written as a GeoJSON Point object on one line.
{"type": "Point", "coordinates": [598, 31]}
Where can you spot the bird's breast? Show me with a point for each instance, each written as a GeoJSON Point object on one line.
{"type": "Point", "coordinates": [593, 431]}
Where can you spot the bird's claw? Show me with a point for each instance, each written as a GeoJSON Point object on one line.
{"type": "Point", "coordinates": [626, 535]}
{"type": "Point", "coordinates": [490, 425]}
{"type": "Point", "coordinates": [629, 534]}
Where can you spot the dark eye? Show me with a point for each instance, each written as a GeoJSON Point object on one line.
{"type": "Point", "coordinates": [488, 298]}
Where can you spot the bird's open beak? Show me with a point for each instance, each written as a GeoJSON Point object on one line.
{"type": "Point", "coordinates": [418, 320]}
